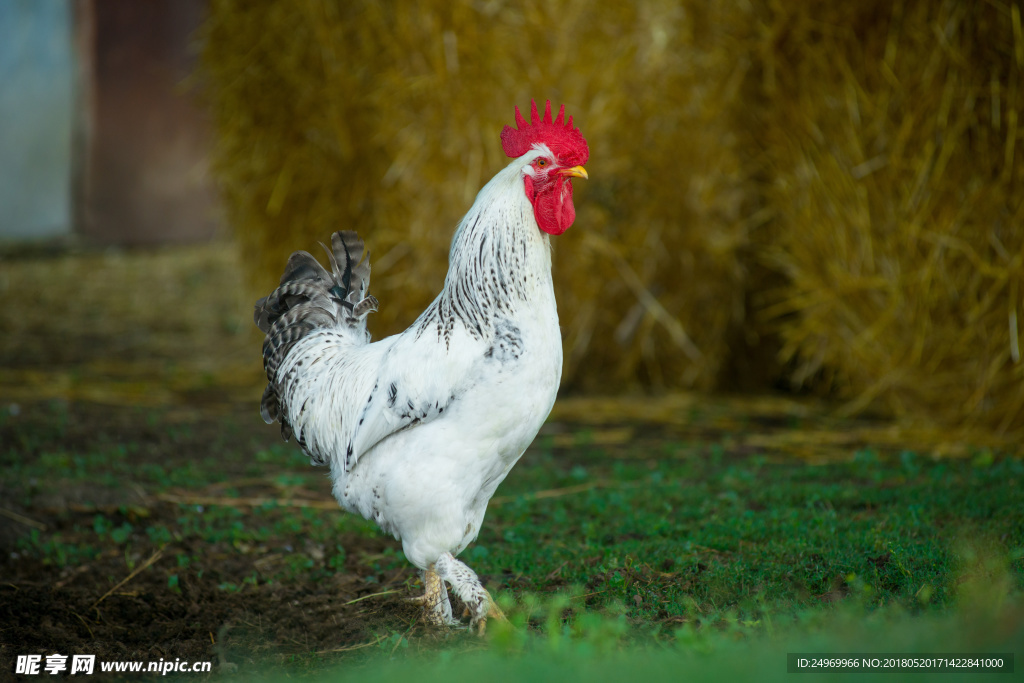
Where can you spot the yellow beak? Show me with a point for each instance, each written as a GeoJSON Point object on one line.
{"type": "Point", "coordinates": [576, 172]}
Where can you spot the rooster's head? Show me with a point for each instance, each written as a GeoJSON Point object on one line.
{"type": "Point", "coordinates": [554, 153]}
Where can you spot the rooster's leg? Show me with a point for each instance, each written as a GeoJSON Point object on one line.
{"type": "Point", "coordinates": [436, 607]}
{"type": "Point", "coordinates": [467, 586]}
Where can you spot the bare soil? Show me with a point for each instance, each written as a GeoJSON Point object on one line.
{"type": "Point", "coordinates": [118, 607]}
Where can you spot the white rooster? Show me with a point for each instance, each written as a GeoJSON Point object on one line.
{"type": "Point", "coordinates": [420, 428]}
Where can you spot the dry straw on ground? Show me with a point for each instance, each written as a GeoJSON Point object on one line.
{"type": "Point", "coordinates": [143, 328]}
{"type": "Point", "coordinates": [850, 170]}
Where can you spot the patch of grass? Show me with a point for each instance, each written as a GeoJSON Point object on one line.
{"type": "Point", "coordinates": [660, 546]}
{"type": "Point", "coordinates": [687, 536]}
{"type": "Point", "coordinates": [593, 649]}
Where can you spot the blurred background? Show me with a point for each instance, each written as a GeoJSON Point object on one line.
{"type": "Point", "coordinates": [821, 198]}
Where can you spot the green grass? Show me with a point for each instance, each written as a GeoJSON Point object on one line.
{"type": "Point", "coordinates": [668, 550]}
{"type": "Point", "coordinates": [596, 649]}
{"type": "Point", "coordinates": [691, 531]}
{"type": "Point", "coordinates": [679, 533]}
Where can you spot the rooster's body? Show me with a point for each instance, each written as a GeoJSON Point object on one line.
{"type": "Point", "coordinates": [421, 427]}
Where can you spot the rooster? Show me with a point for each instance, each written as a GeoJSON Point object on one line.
{"type": "Point", "coordinates": [420, 428]}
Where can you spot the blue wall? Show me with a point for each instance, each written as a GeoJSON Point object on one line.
{"type": "Point", "coordinates": [36, 114]}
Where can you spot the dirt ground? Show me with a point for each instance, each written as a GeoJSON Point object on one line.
{"type": "Point", "coordinates": [99, 606]}
{"type": "Point", "coordinates": [114, 601]}
{"type": "Point", "coordinates": [201, 594]}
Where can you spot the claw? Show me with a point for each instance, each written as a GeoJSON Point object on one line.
{"type": "Point", "coordinates": [479, 624]}
{"type": "Point", "coordinates": [494, 612]}
{"type": "Point", "coordinates": [466, 584]}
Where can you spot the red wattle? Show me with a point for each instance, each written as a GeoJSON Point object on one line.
{"type": "Point", "coordinates": [552, 205]}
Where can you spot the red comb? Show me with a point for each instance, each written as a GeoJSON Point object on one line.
{"type": "Point", "coordinates": [562, 139]}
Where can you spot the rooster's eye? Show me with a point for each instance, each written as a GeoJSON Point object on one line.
{"type": "Point", "coordinates": [541, 163]}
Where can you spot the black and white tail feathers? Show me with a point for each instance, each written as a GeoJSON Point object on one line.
{"type": "Point", "coordinates": [310, 298]}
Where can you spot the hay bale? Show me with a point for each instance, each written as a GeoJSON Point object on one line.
{"type": "Point", "coordinates": [850, 171]}
{"type": "Point", "coordinates": [892, 135]}
{"type": "Point", "coordinates": [364, 115]}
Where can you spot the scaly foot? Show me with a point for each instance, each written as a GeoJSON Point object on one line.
{"type": "Point", "coordinates": [467, 586]}
{"type": "Point", "coordinates": [437, 610]}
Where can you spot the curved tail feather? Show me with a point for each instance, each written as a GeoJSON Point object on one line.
{"type": "Point", "coordinates": [310, 298]}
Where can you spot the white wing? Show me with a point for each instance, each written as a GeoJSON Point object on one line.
{"type": "Point", "coordinates": [343, 398]}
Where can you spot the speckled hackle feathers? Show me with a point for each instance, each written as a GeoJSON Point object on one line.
{"type": "Point", "coordinates": [309, 298]}
{"type": "Point", "coordinates": [566, 142]}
